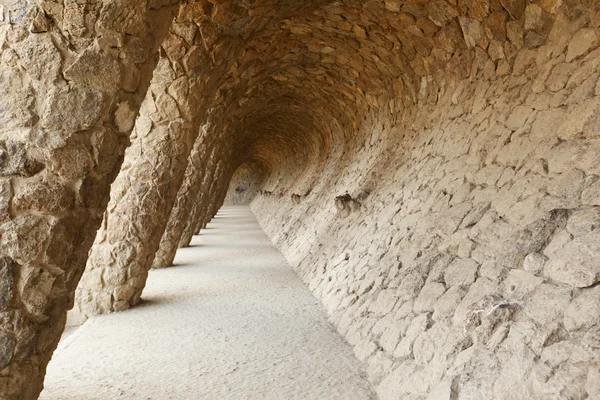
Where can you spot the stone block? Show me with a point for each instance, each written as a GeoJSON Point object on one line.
{"type": "Point", "coordinates": [578, 262]}
{"type": "Point", "coordinates": [583, 221]}
{"type": "Point", "coordinates": [428, 297]}
{"type": "Point", "coordinates": [461, 273]}
{"type": "Point", "coordinates": [547, 303]}
{"type": "Point", "coordinates": [584, 310]}
{"type": "Point", "coordinates": [581, 42]}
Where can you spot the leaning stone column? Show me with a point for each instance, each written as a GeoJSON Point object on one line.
{"type": "Point", "coordinates": [186, 200]}
{"type": "Point", "coordinates": [221, 191]}
{"type": "Point", "coordinates": [209, 205]}
{"type": "Point", "coordinates": [145, 190]}
{"type": "Point", "coordinates": [208, 211]}
{"type": "Point", "coordinates": [201, 206]}
{"type": "Point", "coordinates": [72, 77]}
{"type": "Point", "coordinates": [199, 222]}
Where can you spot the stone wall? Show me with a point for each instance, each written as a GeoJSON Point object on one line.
{"type": "Point", "coordinates": [456, 247]}
{"type": "Point", "coordinates": [244, 185]}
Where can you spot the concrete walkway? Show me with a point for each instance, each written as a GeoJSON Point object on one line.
{"type": "Point", "coordinates": [230, 321]}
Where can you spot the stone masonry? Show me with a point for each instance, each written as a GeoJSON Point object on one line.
{"type": "Point", "coordinates": [73, 77]}
{"type": "Point", "coordinates": [429, 168]}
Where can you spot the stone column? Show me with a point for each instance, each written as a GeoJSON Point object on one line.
{"type": "Point", "coordinates": [214, 201]}
{"type": "Point", "coordinates": [202, 203]}
{"type": "Point", "coordinates": [144, 192]}
{"type": "Point", "coordinates": [200, 222]}
{"type": "Point", "coordinates": [186, 200]}
{"type": "Point", "coordinates": [221, 192]}
{"type": "Point", "coordinates": [72, 78]}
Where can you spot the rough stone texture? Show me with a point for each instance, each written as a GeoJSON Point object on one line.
{"type": "Point", "coordinates": [205, 207]}
{"type": "Point", "coordinates": [244, 185]}
{"type": "Point", "coordinates": [144, 192]}
{"type": "Point", "coordinates": [432, 171]}
{"type": "Point", "coordinates": [470, 268]}
{"type": "Point", "coordinates": [187, 197]}
{"type": "Point", "coordinates": [68, 99]}
{"type": "Point", "coordinates": [214, 200]}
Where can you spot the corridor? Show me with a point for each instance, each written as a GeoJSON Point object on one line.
{"type": "Point", "coordinates": [230, 320]}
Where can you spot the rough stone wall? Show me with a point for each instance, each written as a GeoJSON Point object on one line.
{"type": "Point", "coordinates": [457, 247]}
{"type": "Point", "coordinates": [72, 77]}
{"type": "Point", "coordinates": [245, 184]}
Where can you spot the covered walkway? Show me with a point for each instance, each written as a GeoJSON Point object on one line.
{"type": "Point", "coordinates": [231, 320]}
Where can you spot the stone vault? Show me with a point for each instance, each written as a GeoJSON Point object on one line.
{"type": "Point", "coordinates": [430, 168]}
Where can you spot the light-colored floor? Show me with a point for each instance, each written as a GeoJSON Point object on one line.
{"type": "Point", "coordinates": [230, 321]}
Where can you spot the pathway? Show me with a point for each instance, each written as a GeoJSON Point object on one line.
{"type": "Point", "coordinates": [231, 320]}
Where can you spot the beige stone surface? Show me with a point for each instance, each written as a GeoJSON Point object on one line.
{"type": "Point", "coordinates": [471, 260]}
{"type": "Point", "coordinates": [231, 321]}
{"type": "Point", "coordinates": [142, 194]}
{"type": "Point", "coordinates": [188, 196]}
{"type": "Point", "coordinates": [61, 144]}
{"type": "Point", "coordinates": [244, 185]}
{"type": "Point", "coordinates": [431, 171]}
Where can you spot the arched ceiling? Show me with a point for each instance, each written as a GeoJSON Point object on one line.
{"type": "Point", "coordinates": [302, 76]}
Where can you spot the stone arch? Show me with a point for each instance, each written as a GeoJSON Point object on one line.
{"type": "Point", "coordinates": [196, 68]}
